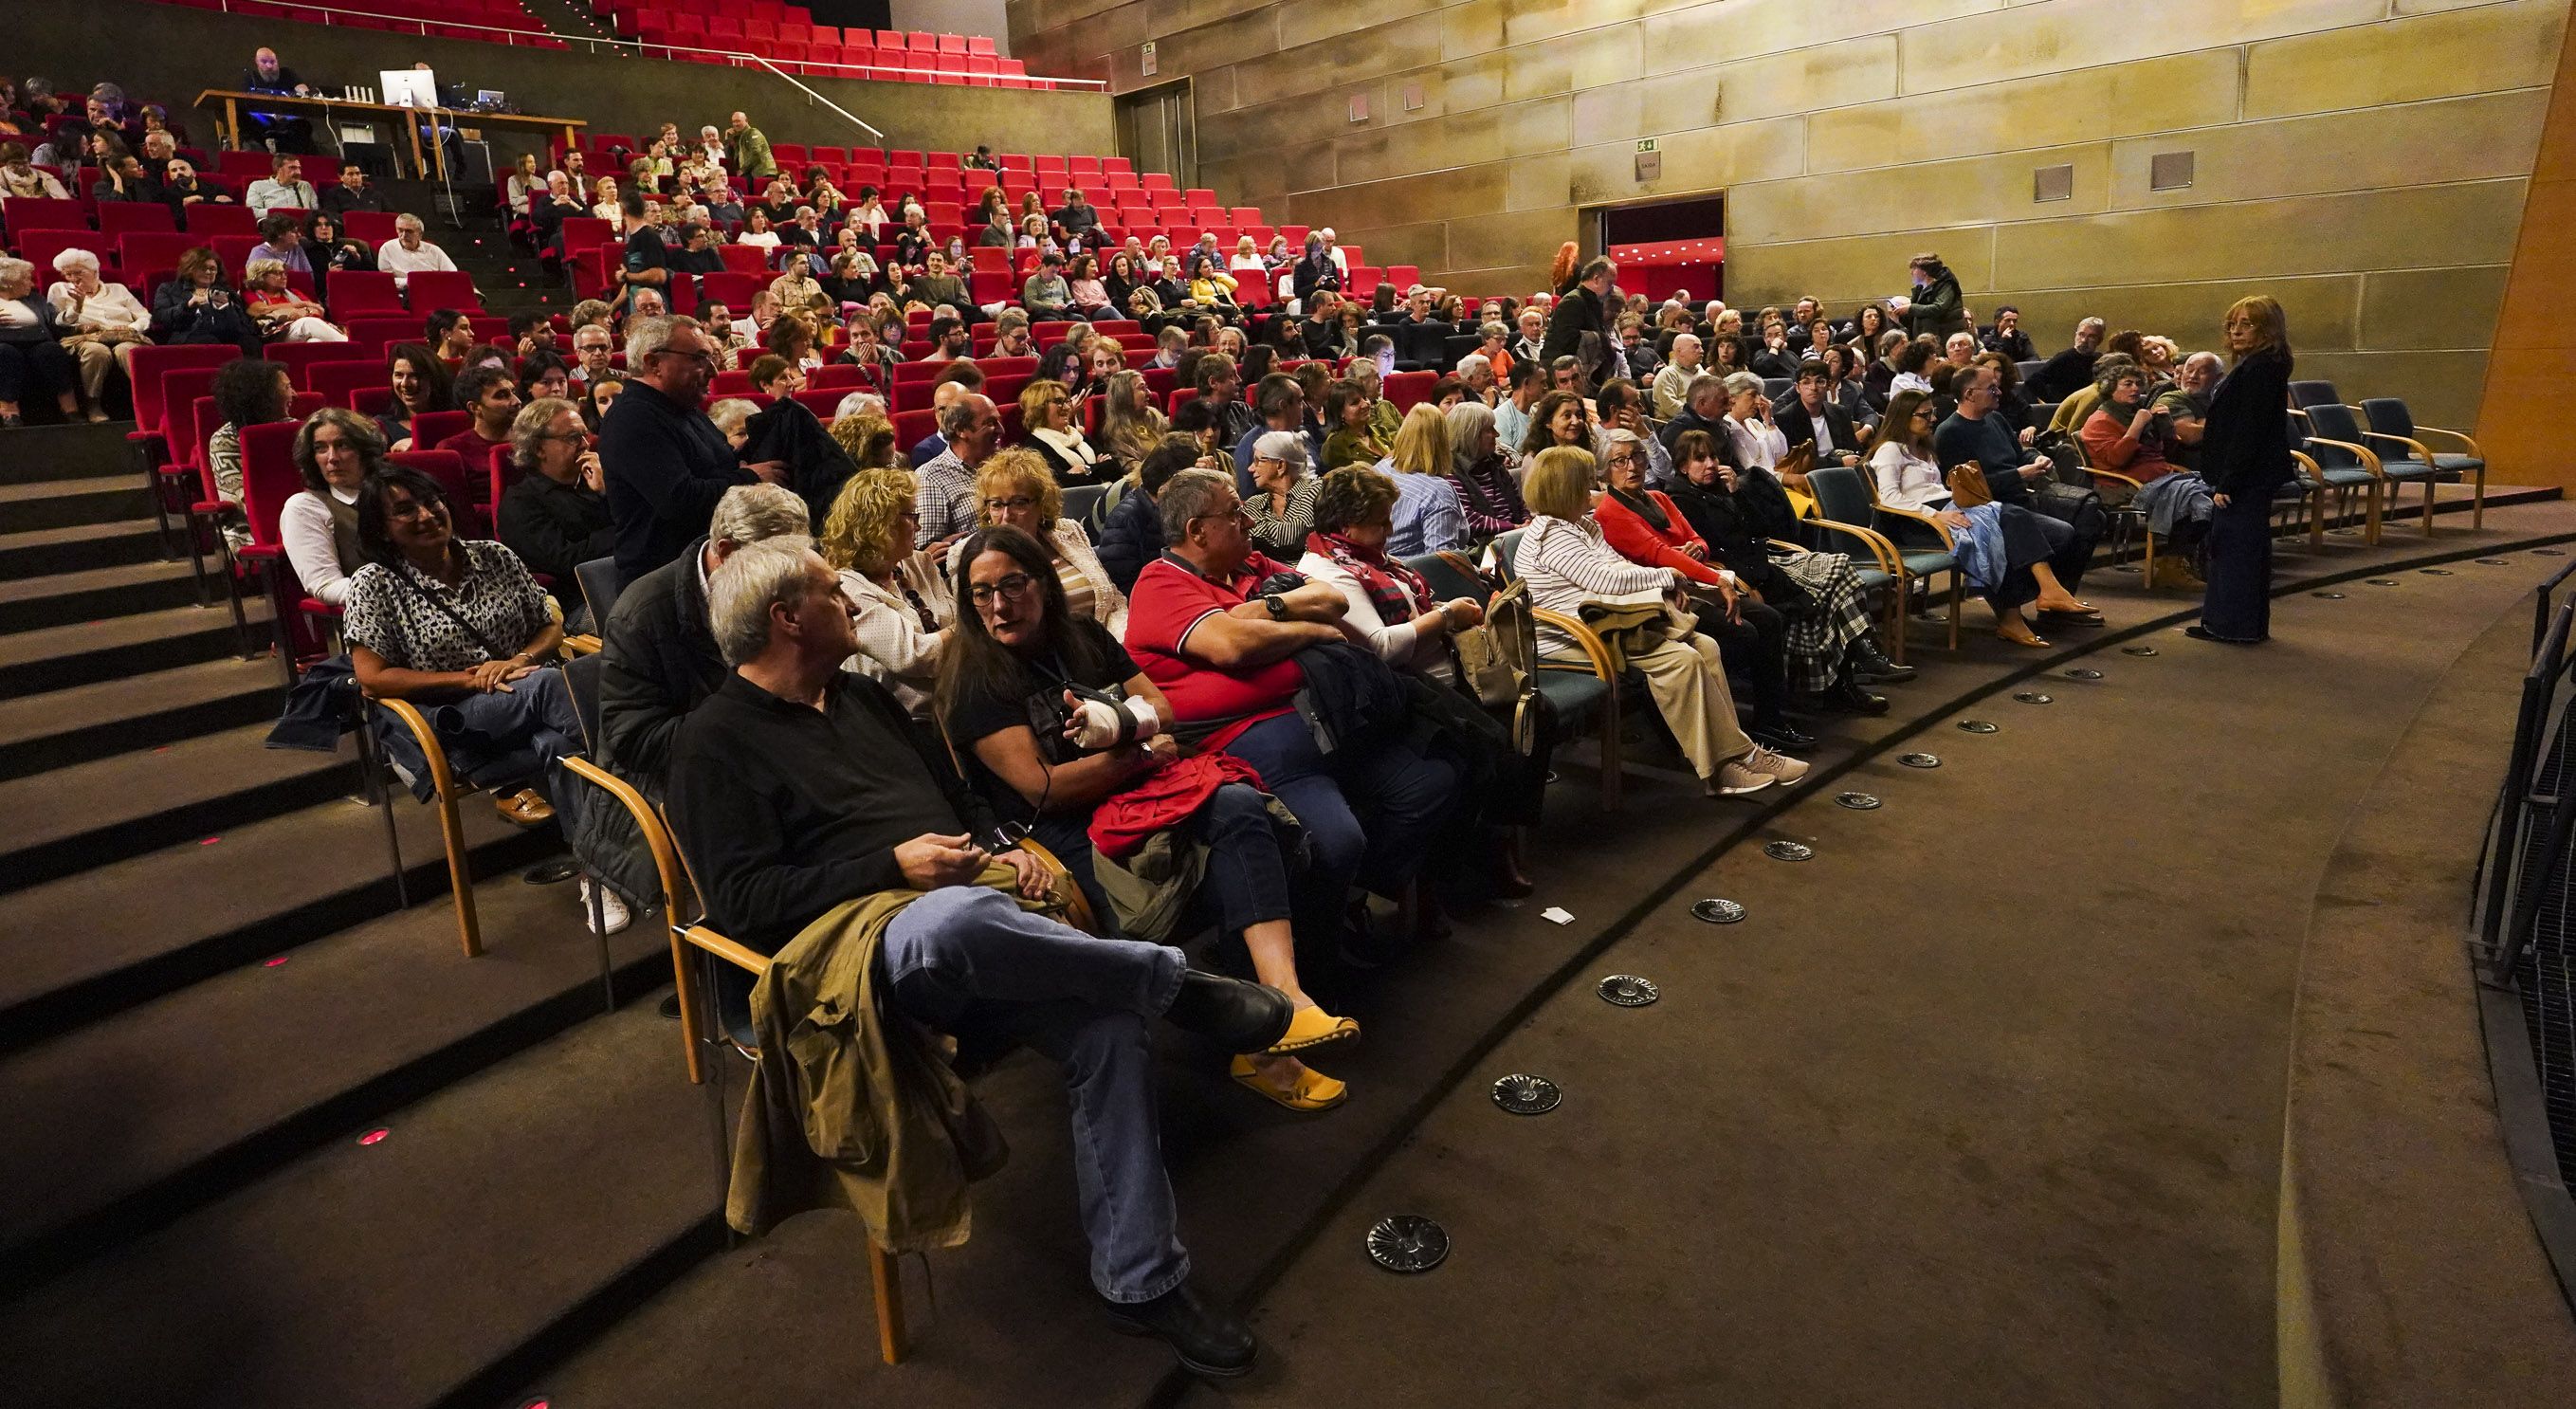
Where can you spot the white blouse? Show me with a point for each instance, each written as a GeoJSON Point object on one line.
{"type": "Point", "coordinates": [304, 526]}
{"type": "Point", "coordinates": [1907, 480]}
{"type": "Point", "coordinates": [113, 306]}
{"type": "Point", "coordinates": [1758, 444]}
{"type": "Point", "coordinates": [1404, 644]}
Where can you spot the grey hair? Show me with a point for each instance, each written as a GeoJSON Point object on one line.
{"type": "Point", "coordinates": [959, 415]}
{"type": "Point", "coordinates": [1468, 422]}
{"type": "Point", "coordinates": [1691, 338]}
{"type": "Point", "coordinates": [1472, 361]}
{"type": "Point", "coordinates": [1738, 383]}
{"type": "Point", "coordinates": [13, 269]}
{"type": "Point", "coordinates": [1705, 384]}
{"type": "Point", "coordinates": [651, 334]}
{"type": "Point", "coordinates": [1891, 340]}
{"type": "Point", "coordinates": [71, 259]}
{"type": "Point", "coordinates": [1492, 328]}
{"type": "Point", "coordinates": [1187, 496]}
{"type": "Point", "coordinates": [730, 413]}
{"type": "Point", "coordinates": [755, 513]}
{"type": "Point", "coordinates": [858, 402]}
{"type": "Point", "coordinates": [533, 421]}
{"type": "Point", "coordinates": [740, 594]}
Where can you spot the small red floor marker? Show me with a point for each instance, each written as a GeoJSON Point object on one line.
{"type": "Point", "coordinates": [208, 841]}
{"type": "Point", "coordinates": [374, 1136]}
{"type": "Point", "coordinates": [272, 963]}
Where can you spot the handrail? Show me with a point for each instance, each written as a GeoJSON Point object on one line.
{"type": "Point", "coordinates": [510, 37]}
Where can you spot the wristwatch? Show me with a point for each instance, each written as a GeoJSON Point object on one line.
{"type": "Point", "coordinates": [1277, 604]}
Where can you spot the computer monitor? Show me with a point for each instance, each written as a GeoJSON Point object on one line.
{"type": "Point", "coordinates": [488, 98]}
{"type": "Point", "coordinates": [410, 87]}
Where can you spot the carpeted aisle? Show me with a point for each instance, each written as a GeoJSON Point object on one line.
{"type": "Point", "coordinates": [1981, 1105]}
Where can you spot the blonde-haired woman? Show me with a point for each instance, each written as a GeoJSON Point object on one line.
{"type": "Point", "coordinates": [2245, 458]}
{"type": "Point", "coordinates": [869, 439]}
{"type": "Point", "coordinates": [1054, 432]}
{"type": "Point", "coordinates": [1014, 488]}
{"type": "Point", "coordinates": [1570, 566]}
{"type": "Point", "coordinates": [1428, 516]}
{"type": "Point", "coordinates": [605, 205]}
{"type": "Point", "coordinates": [283, 315]}
{"type": "Point", "coordinates": [1131, 427]}
{"type": "Point", "coordinates": [902, 597]}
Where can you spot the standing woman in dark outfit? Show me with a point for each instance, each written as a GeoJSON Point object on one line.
{"type": "Point", "coordinates": [2245, 457]}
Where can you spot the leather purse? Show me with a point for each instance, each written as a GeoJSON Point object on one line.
{"type": "Point", "coordinates": [1968, 487]}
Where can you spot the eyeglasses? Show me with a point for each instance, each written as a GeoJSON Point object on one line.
{"type": "Point", "coordinates": [1011, 505]}
{"type": "Point", "coordinates": [1015, 586]}
{"type": "Point", "coordinates": [1238, 513]}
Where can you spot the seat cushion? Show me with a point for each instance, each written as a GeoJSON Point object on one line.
{"type": "Point", "coordinates": [1575, 694]}
{"type": "Point", "coordinates": [1871, 579]}
{"type": "Point", "coordinates": [1926, 564]}
{"type": "Point", "coordinates": [2458, 464]}
{"type": "Point", "coordinates": [2410, 469]}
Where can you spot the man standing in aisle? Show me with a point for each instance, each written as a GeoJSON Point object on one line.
{"type": "Point", "coordinates": [750, 150]}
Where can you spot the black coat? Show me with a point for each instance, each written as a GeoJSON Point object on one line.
{"type": "Point", "coordinates": [2245, 439]}
{"type": "Point", "coordinates": [817, 465]}
{"type": "Point", "coordinates": [667, 466]}
{"type": "Point", "coordinates": [1797, 426]}
{"type": "Point", "coordinates": [658, 660]}
{"type": "Point", "coordinates": [1577, 313]}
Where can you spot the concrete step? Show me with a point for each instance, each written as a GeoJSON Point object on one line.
{"type": "Point", "coordinates": [76, 547]}
{"type": "Point", "coordinates": [76, 451]}
{"type": "Point", "coordinates": [66, 727]}
{"type": "Point", "coordinates": [60, 657]}
{"type": "Point", "coordinates": [121, 1126]}
{"type": "Point", "coordinates": [150, 925]}
{"type": "Point", "coordinates": [64, 502]}
{"type": "Point", "coordinates": [74, 819]}
{"type": "Point", "coordinates": [412, 1271]}
{"type": "Point", "coordinates": [95, 594]}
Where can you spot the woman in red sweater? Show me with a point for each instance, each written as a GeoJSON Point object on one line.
{"type": "Point", "coordinates": [1643, 526]}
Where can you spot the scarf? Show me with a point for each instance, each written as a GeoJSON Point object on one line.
{"type": "Point", "coordinates": [1397, 592]}
{"type": "Point", "coordinates": [1069, 444]}
{"type": "Point", "coordinates": [1645, 507]}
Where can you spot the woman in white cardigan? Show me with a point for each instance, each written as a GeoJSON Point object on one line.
{"type": "Point", "coordinates": [1568, 565]}
{"type": "Point", "coordinates": [335, 450]}
{"type": "Point", "coordinates": [903, 611]}
{"type": "Point", "coordinates": [1015, 487]}
{"type": "Point", "coordinates": [105, 322]}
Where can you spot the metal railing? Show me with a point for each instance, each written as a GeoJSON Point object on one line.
{"type": "Point", "coordinates": [528, 38]}
{"type": "Point", "coordinates": [2535, 815]}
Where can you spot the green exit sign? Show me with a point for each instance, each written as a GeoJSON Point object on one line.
{"type": "Point", "coordinates": [1645, 144]}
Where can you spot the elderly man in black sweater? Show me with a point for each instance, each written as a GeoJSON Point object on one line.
{"type": "Point", "coordinates": [2014, 472]}
{"type": "Point", "coordinates": [798, 786]}
{"type": "Point", "coordinates": [667, 464]}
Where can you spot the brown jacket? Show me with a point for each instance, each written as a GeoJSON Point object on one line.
{"type": "Point", "coordinates": [852, 1105]}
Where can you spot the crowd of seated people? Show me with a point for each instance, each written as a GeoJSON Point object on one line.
{"type": "Point", "coordinates": [1125, 557]}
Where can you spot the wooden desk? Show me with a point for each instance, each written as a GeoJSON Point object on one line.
{"type": "Point", "coordinates": [232, 102]}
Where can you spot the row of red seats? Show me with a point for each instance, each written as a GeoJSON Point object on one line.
{"type": "Point", "coordinates": [493, 21]}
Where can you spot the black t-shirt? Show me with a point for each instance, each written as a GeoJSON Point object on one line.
{"type": "Point", "coordinates": [976, 714]}
{"type": "Point", "coordinates": [645, 250]}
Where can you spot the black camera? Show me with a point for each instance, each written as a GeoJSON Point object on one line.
{"type": "Point", "coordinates": [1050, 716]}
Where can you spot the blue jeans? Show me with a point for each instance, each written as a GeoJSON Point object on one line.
{"type": "Point", "coordinates": [969, 961]}
{"type": "Point", "coordinates": [527, 732]}
{"type": "Point", "coordinates": [1404, 793]}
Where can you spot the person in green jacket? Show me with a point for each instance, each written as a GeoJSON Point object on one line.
{"type": "Point", "coordinates": [750, 150]}
{"type": "Point", "coordinates": [1937, 307]}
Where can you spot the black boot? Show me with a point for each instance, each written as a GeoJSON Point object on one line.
{"type": "Point", "coordinates": [1210, 1341]}
{"type": "Point", "coordinates": [1848, 698]}
{"type": "Point", "coordinates": [1240, 1016]}
{"type": "Point", "coordinates": [1868, 665]}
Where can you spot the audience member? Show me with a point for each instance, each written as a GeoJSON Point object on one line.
{"type": "Point", "coordinates": [101, 324]}
{"type": "Point", "coordinates": [555, 515]}
{"type": "Point", "coordinates": [899, 597]}
{"type": "Point", "coordinates": [336, 451]}
{"type": "Point", "coordinates": [665, 463]}
{"type": "Point", "coordinates": [1015, 489]}
{"type": "Point", "coordinates": [284, 186]}
{"type": "Point", "coordinates": [407, 253]}
{"type": "Point", "coordinates": [2005, 551]}
{"type": "Point", "coordinates": [945, 507]}
{"type": "Point", "coordinates": [489, 396]}
{"type": "Point", "coordinates": [2013, 474]}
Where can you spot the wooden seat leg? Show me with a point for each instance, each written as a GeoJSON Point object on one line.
{"type": "Point", "coordinates": [460, 874]}
{"type": "Point", "coordinates": [887, 1276]}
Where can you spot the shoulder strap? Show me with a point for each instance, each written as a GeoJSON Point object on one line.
{"type": "Point", "coordinates": [402, 573]}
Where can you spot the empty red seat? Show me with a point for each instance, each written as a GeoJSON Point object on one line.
{"type": "Point", "coordinates": [362, 292]}
{"type": "Point", "coordinates": [338, 382]}
{"type": "Point", "coordinates": [208, 218]}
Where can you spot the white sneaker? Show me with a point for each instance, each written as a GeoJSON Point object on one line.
{"type": "Point", "coordinates": [612, 911]}
{"type": "Point", "coordinates": [1735, 780]}
{"type": "Point", "coordinates": [1778, 765]}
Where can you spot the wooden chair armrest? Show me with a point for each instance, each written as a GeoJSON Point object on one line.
{"type": "Point", "coordinates": [1077, 906]}
{"type": "Point", "coordinates": [657, 838]}
{"type": "Point", "coordinates": [1948, 539]}
{"type": "Point", "coordinates": [725, 949]}
{"type": "Point", "coordinates": [2461, 436]}
{"type": "Point", "coordinates": [2415, 446]}
{"type": "Point", "coordinates": [2308, 467]}
{"type": "Point", "coordinates": [1594, 649]}
{"type": "Point", "coordinates": [441, 779]}
{"type": "Point", "coordinates": [2369, 457]}
{"type": "Point", "coordinates": [2133, 484]}
{"type": "Point", "coordinates": [584, 645]}
{"type": "Point", "coordinates": [1882, 552]}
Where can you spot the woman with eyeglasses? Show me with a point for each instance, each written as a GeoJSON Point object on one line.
{"type": "Point", "coordinates": [2000, 548]}
{"type": "Point", "coordinates": [555, 517]}
{"type": "Point", "coordinates": [1061, 731]}
{"type": "Point", "coordinates": [1014, 488]}
{"type": "Point", "coordinates": [903, 605]}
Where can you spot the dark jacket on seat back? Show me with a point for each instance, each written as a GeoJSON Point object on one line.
{"type": "Point", "coordinates": [658, 661]}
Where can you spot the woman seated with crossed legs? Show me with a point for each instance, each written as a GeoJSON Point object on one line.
{"type": "Point", "coordinates": [2000, 547]}
{"type": "Point", "coordinates": [1015, 661]}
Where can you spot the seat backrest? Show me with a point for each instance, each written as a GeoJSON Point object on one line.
{"type": "Point", "coordinates": [2328, 457]}
{"type": "Point", "coordinates": [152, 363]}
{"type": "Point", "coordinates": [2389, 416]}
{"type": "Point", "coordinates": [2333, 420]}
{"type": "Point", "coordinates": [431, 427]}
{"type": "Point", "coordinates": [1507, 547]}
{"type": "Point", "coordinates": [269, 476]}
{"type": "Point", "coordinates": [581, 682]}
{"type": "Point", "coordinates": [1448, 577]}
{"type": "Point", "coordinates": [2307, 394]}
{"type": "Point", "coordinates": [1841, 495]}
{"type": "Point", "coordinates": [1410, 389]}
{"type": "Point", "coordinates": [599, 585]}
{"type": "Point", "coordinates": [338, 382]}
{"type": "Point", "coordinates": [435, 289]}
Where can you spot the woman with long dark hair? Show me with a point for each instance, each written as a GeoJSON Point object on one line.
{"type": "Point", "coordinates": [1052, 721]}
{"type": "Point", "coordinates": [2245, 458]}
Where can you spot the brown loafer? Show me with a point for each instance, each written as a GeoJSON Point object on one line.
{"type": "Point", "coordinates": [523, 808]}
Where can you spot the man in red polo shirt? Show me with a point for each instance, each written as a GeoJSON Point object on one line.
{"type": "Point", "coordinates": [1223, 653]}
